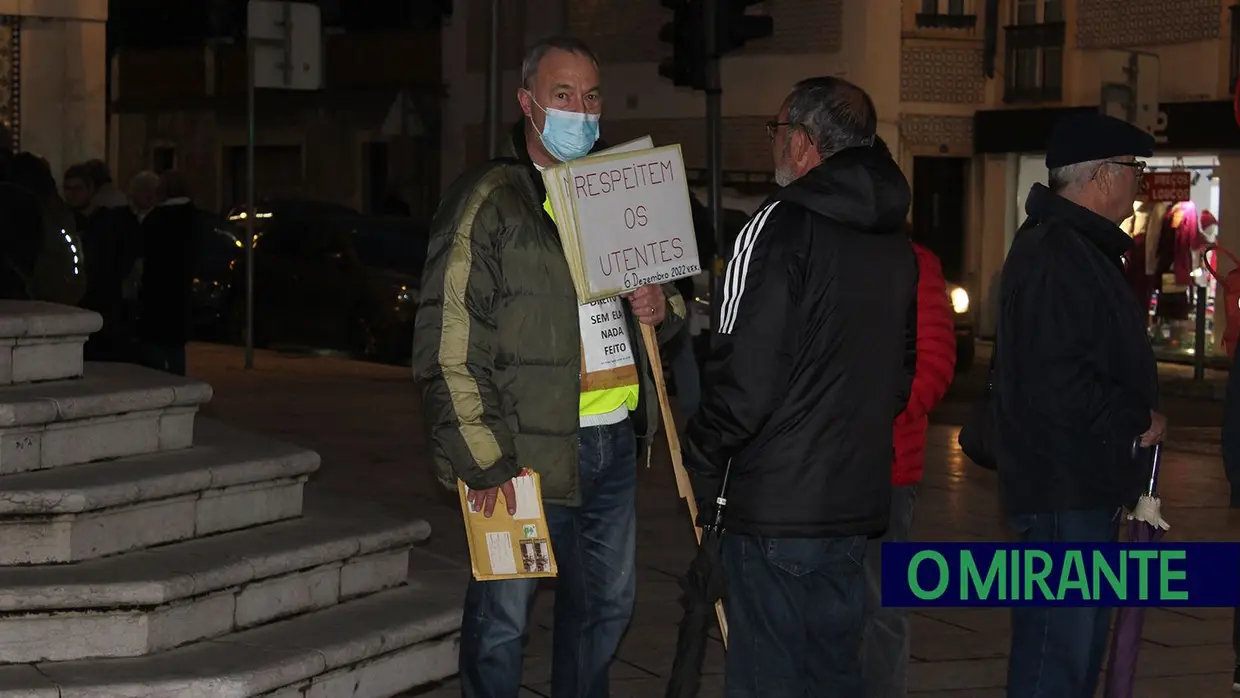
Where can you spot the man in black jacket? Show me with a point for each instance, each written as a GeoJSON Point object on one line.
{"type": "Point", "coordinates": [1076, 383]}
{"type": "Point", "coordinates": [808, 370]}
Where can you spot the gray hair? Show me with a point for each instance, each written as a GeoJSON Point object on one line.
{"type": "Point", "coordinates": [1061, 179]}
{"type": "Point", "coordinates": [144, 179]}
{"type": "Point", "coordinates": [535, 54]}
{"type": "Point", "coordinates": [834, 112]}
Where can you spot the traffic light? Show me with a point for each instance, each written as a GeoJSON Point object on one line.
{"type": "Point", "coordinates": [736, 27]}
{"type": "Point", "coordinates": [687, 35]}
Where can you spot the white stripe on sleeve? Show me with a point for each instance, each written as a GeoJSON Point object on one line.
{"type": "Point", "coordinates": [734, 282]}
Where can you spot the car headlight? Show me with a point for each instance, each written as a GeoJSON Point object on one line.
{"type": "Point", "coordinates": [960, 300]}
{"type": "Point", "coordinates": [406, 295]}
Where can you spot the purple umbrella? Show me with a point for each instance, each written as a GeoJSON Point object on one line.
{"type": "Point", "coordinates": [1145, 525]}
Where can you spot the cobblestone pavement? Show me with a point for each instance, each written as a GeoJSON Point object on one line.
{"type": "Point", "coordinates": [364, 420]}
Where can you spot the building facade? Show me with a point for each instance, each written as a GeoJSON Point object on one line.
{"type": "Point", "coordinates": [966, 92]}
{"type": "Point", "coordinates": [53, 78]}
{"type": "Point", "coordinates": [370, 133]}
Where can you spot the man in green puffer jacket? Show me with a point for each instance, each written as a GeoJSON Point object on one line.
{"type": "Point", "coordinates": [515, 375]}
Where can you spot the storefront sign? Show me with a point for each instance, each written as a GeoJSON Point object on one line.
{"type": "Point", "coordinates": [1207, 127]}
{"type": "Point", "coordinates": [1167, 186]}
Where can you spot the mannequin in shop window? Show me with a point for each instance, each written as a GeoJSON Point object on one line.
{"type": "Point", "coordinates": [1174, 254]}
{"type": "Point", "coordinates": [1136, 270]}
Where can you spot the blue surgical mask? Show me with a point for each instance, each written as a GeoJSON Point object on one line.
{"type": "Point", "coordinates": [568, 135]}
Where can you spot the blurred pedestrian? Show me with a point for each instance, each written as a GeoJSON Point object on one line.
{"type": "Point", "coordinates": [809, 367]}
{"type": "Point", "coordinates": [170, 245]}
{"type": "Point", "coordinates": [143, 193]}
{"type": "Point", "coordinates": [112, 239]}
{"type": "Point", "coordinates": [59, 274]}
{"type": "Point", "coordinates": [885, 643]}
{"type": "Point", "coordinates": [21, 218]}
{"type": "Point", "coordinates": [1231, 467]}
{"type": "Point", "coordinates": [1075, 383]}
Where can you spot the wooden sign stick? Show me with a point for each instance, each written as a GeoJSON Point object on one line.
{"type": "Point", "coordinates": [683, 486]}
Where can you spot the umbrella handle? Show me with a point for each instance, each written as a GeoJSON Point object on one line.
{"type": "Point", "coordinates": [1157, 457]}
{"type": "Point", "coordinates": [1154, 469]}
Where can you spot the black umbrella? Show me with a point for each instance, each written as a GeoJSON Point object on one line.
{"type": "Point", "coordinates": [704, 586]}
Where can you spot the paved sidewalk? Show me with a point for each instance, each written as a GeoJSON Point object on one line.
{"type": "Point", "coordinates": [364, 420]}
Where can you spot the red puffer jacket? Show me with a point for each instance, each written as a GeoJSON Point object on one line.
{"type": "Point", "coordinates": [936, 366]}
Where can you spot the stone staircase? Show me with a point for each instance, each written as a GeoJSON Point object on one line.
{"type": "Point", "coordinates": [146, 551]}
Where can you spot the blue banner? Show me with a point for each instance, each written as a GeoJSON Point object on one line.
{"type": "Point", "coordinates": [1061, 574]}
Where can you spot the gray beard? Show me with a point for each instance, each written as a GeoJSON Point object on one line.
{"type": "Point", "coordinates": [783, 178]}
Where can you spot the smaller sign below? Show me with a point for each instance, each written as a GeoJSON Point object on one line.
{"type": "Point", "coordinates": [1168, 187]}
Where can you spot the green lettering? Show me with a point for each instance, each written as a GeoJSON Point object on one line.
{"type": "Point", "coordinates": [970, 577]}
{"type": "Point", "coordinates": [1014, 578]}
{"type": "Point", "coordinates": [1102, 568]}
{"type": "Point", "coordinates": [944, 575]}
{"type": "Point", "coordinates": [1038, 577]}
{"type": "Point", "coordinates": [1073, 565]}
{"type": "Point", "coordinates": [1167, 575]}
{"type": "Point", "coordinates": [1143, 575]}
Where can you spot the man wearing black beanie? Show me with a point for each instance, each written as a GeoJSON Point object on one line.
{"type": "Point", "coordinates": [1075, 383]}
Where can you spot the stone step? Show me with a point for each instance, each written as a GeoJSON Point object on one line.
{"type": "Point", "coordinates": [373, 647]}
{"type": "Point", "coordinates": [231, 480]}
{"type": "Point", "coordinates": [113, 411]}
{"type": "Point", "coordinates": [148, 601]}
{"type": "Point", "coordinates": [42, 341]}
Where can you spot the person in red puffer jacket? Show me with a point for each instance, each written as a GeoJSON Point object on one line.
{"type": "Point", "coordinates": [885, 645]}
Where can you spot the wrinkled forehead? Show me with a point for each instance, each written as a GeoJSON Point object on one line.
{"type": "Point", "coordinates": [560, 68]}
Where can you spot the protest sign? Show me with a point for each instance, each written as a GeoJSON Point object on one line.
{"type": "Point", "coordinates": [624, 219]}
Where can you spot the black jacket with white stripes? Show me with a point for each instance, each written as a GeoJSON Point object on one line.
{"type": "Point", "coordinates": [811, 360]}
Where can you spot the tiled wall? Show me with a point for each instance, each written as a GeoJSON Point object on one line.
{"type": "Point", "coordinates": [941, 74]}
{"type": "Point", "coordinates": [1130, 23]}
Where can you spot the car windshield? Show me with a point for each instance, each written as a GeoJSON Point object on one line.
{"type": "Point", "coordinates": [392, 245]}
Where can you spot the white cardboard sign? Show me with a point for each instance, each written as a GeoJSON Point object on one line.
{"type": "Point", "coordinates": [636, 226]}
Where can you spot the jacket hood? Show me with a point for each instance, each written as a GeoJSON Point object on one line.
{"type": "Point", "coordinates": [862, 188]}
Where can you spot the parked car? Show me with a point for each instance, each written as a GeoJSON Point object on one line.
{"type": "Point", "coordinates": [325, 277]}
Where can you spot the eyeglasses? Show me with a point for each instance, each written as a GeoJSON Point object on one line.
{"type": "Point", "coordinates": [773, 126]}
{"type": "Point", "coordinates": [1138, 165]}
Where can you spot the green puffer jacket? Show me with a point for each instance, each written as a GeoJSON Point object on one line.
{"type": "Point", "coordinates": [497, 347]}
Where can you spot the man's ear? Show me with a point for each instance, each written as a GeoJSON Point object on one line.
{"type": "Point", "coordinates": [803, 151]}
{"type": "Point", "coordinates": [1106, 178]}
{"type": "Point", "coordinates": [526, 101]}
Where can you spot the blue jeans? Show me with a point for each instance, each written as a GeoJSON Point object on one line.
{"type": "Point", "coordinates": [1057, 651]}
{"type": "Point", "coordinates": [885, 642]}
{"type": "Point", "coordinates": [595, 549]}
{"type": "Point", "coordinates": [795, 609]}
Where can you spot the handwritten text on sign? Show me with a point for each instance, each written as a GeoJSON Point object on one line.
{"type": "Point", "coordinates": [637, 228]}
